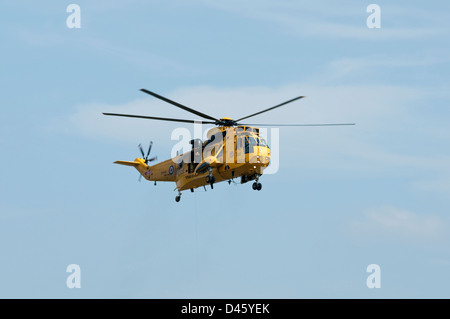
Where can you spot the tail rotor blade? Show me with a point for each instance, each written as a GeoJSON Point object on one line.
{"type": "Point", "coordinates": [149, 149]}
{"type": "Point", "coordinates": [142, 151]}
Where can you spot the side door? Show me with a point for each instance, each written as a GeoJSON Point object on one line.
{"type": "Point", "coordinates": [240, 150]}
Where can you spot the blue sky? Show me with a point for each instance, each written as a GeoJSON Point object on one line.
{"type": "Point", "coordinates": [343, 197]}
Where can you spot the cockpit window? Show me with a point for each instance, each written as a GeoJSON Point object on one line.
{"type": "Point", "coordinates": [256, 141]}
{"type": "Point", "coordinates": [250, 142]}
{"type": "Point", "coordinates": [253, 141]}
{"type": "Point", "coordinates": [262, 142]}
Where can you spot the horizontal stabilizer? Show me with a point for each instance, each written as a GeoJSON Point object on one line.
{"type": "Point", "coordinates": [127, 163]}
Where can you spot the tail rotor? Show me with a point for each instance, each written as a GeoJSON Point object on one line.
{"type": "Point", "coordinates": [145, 157]}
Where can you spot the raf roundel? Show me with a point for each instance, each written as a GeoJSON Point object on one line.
{"type": "Point", "coordinates": [171, 170]}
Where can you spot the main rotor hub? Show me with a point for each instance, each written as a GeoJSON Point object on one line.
{"type": "Point", "coordinates": [226, 121]}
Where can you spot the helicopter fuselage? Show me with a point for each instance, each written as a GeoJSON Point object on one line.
{"type": "Point", "coordinates": [229, 153]}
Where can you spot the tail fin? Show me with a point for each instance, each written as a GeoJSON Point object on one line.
{"type": "Point", "coordinates": [135, 164]}
{"type": "Point", "coordinates": [138, 164]}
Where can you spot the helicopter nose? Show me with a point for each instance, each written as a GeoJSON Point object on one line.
{"type": "Point", "coordinates": [265, 159]}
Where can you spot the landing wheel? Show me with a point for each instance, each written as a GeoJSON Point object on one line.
{"type": "Point", "coordinates": [257, 186]}
{"type": "Point", "coordinates": [177, 199]}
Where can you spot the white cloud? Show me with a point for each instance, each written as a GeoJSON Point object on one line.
{"type": "Point", "coordinates": [86, 42]}
{"type": "Point", "coordinates": [343, 20]}
{"type": "Point", "coordinates": [363, 104]}
{"type": "Point", "coordinates": [370, 66]}
{"type": "Point", "coordinates": [89, 121]}
{"type": "Point", "coordinates": [399, 223]}
{"type": "Point", "coordinates": [369, 146]}
{"type": "Point", "coordinates": [440, 184]}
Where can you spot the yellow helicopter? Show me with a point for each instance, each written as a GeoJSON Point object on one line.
{"type": "Point", "coordinates": [232, 150]}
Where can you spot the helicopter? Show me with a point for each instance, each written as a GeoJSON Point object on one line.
{"type": "Point", "coordinates": [233, 149]}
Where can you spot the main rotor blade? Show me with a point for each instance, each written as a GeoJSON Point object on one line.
{"type": "Point", "coordinates": [271, 108]}
{"type": "Point", "coordinates": [180, 105]}
{"type": "Point", "coordinates": [326, 124]}
{"type": "Point", "coordinates": [159, 118]}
